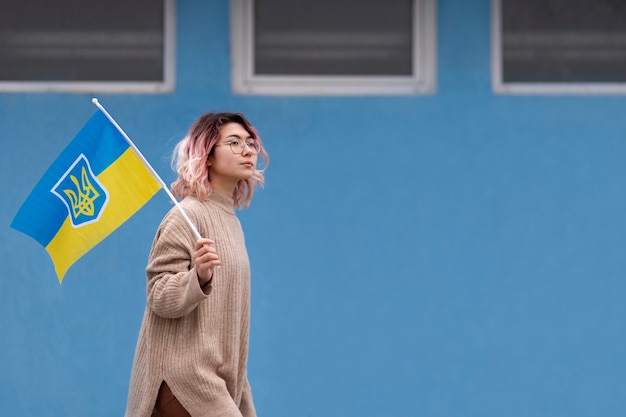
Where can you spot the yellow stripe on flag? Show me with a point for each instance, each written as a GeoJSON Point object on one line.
{"type": "Point", "coordinates": [130, 186]}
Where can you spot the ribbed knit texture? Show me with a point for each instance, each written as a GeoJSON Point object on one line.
{"type": "Point", "coordinates": [196, 339]}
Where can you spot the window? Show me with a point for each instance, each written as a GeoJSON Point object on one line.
{"type": "Point", "coordinates": [327, 47]}
{"type": "Point", "coordinates": [559, 46]}
{"type": "Point", "coordinates": [87, 46]}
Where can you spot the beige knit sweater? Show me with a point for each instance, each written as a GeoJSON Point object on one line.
{"type": "Point", "coordinates": [196, 339]}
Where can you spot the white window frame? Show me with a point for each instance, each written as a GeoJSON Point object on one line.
{"type": "Point", "coordinates": [165, 86]}
{"type": "Point", "coordinates": [547, 88]}
{"type": "Point", "coordinates": [422, 81]}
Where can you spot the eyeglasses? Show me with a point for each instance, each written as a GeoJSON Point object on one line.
{"type": "Point", "coordinates": [238, 145]}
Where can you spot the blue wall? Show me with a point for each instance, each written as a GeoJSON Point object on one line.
{"type": "Point", "coordinates": [453, 255]}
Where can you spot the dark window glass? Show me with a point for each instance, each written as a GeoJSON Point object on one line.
{"type": "Point", "coordinates": [82, 40]}
{"type": "Point", "coordinates": [330, 37]}
{"type": "Point", "coordinates": [563, 41]}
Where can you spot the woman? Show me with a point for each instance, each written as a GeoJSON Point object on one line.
{"type": "Point", "coordinates": [192, 351]}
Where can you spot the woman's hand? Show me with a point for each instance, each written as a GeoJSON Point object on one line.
{"type": "Point", "coordinates": [205, 259]}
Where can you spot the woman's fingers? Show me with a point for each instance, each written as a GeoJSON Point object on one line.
{"type": "Point", "coordinates": [204, 242]}
{"type": "Point", "coordinates": [205, 258]}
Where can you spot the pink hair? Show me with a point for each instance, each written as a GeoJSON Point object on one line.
{"type": "Point", "coordinates": [190, 157]}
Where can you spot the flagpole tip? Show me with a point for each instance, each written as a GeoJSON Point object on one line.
{"type": "Point", "coordinates": [94, 100]}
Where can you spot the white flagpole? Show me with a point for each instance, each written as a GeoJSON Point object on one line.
{"type": "Point", "coordinates": [147, 164]}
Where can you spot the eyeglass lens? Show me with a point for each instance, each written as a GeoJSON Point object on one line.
{"type": "Point", "coordinates": [238, 146]}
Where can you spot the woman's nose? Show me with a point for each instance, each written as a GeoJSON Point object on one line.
{"type": "Point", "coordinates": [247, 149]}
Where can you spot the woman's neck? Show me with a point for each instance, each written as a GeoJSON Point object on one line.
{"type": "Point", "coordinates": [224, 188]}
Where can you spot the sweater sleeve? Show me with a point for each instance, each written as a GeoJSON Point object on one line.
{"type": "Point", "coordinates": [247, 405]}
{"type": "Point", "coordinates": [173, 288]}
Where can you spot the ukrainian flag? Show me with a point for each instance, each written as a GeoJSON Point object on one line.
{"type": "Point", "coordinates": [96, 184]}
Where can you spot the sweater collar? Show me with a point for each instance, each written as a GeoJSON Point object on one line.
{"type": "Point", "coordinates": [225, 203]}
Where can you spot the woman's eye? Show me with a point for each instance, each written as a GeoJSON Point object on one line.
{"type": "Point", "coordinates": [235, 142]}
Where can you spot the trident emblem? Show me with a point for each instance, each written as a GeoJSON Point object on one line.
{"type": "Point", "coordinates": [81, 192]}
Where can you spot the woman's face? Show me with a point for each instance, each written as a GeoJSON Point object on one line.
{"type": "Point", "coordinates": [226, 166]}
